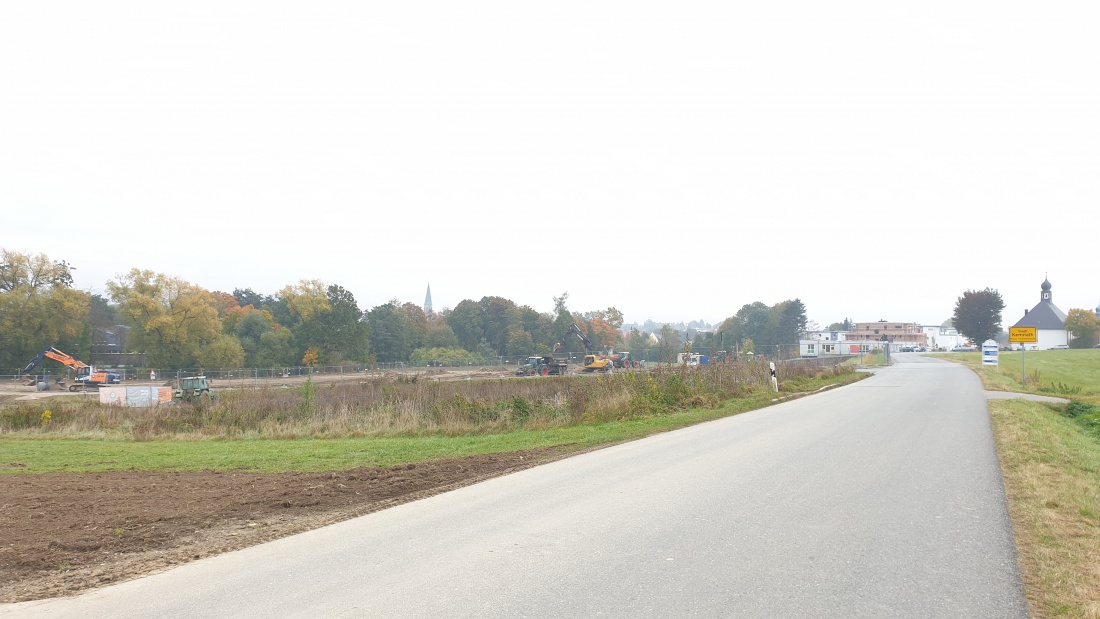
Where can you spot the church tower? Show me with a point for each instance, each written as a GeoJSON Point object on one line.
{"type": "Point", "coordinates": [1049, 321]}
{"type": "Point", "coordinates": [428, 301]}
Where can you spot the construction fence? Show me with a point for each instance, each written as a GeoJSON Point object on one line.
{"type": "Point", "coordinates": [500, 363]}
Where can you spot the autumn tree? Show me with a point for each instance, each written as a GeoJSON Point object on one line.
{"type": "Point", "coordinates": [1084, 326]}
{"type": "Point", "coordinates": [603, 335]}
{"type": "Point", "coordinates": [39, 272]}
{"type": "Point", "coordinates": [610, 315]}
{"type": "Point", "coordinates": [224, 302]}
{"type": "Point", "coordinates": [172, 320]}
{"type": "Point", "coordinates": [978, 314]}
{"type": "Point", "coordinates": [328, 319]}
{"type": "Point", "coordinates": [39, 308]}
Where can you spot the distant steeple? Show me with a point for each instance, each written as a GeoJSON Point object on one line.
{"type": "Point", "coordinates": [428, 301]}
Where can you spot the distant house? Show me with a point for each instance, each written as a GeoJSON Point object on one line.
{"type": "Point", "coordinates": [940, 337]}
{"type": "Point", "coordinates": [1048, 320]}
{"type": "Point", "coordinates": [823, 347]}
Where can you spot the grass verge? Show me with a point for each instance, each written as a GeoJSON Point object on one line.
{"type": "Point", "coordinates": [1051, 468]}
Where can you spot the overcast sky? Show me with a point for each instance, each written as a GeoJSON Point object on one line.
{"type": "Point", "coordinates": [675, 160]}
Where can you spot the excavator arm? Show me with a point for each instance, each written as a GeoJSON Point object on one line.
{"type": "Point", "coordinates": [50, 352]}
{"type": "Point", "coordinates": [575, 330]}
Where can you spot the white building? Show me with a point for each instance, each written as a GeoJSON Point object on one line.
{"type": "Point", "coordinates": [830, 348]}
{"type": "Point", "coordinates": [1048, 320]}
{"type": "Point", "coordinates": [943, 338]}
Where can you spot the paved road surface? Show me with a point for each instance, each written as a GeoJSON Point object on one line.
{"type": "Point", "coordinates": [880, 499]}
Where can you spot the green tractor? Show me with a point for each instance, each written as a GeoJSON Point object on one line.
{"type": "Point", "coordinates": [194, 388]}
{"type": "Point", "coordinates": [543, 365]}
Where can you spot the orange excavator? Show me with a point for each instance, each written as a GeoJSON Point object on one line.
{"type": "Point", "coordinates": [86, 375]}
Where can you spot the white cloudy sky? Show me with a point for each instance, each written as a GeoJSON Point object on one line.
{"type": "Point", "coordinates": [675, 160]}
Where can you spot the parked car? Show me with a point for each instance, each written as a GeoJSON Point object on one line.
{"type": "Point", "coordinates": [1059, 347]}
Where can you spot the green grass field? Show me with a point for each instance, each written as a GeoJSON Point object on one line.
{"type": "Point", "coordinates": [1073, 374]}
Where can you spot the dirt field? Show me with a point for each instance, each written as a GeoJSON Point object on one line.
{"type": "Point", "coordinates": [64, 533]}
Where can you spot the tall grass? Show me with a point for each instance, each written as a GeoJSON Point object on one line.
{"type": "Point", "coordinates": [413, 405]}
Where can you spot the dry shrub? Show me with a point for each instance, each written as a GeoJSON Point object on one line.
{"type": "Point", "coordinates": [396, 406]}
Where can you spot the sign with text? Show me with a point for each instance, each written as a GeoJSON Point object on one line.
{"type": "Point", "coordinates": [989, 353]}
{"type": "Point", "coordinates": [1023, 334]}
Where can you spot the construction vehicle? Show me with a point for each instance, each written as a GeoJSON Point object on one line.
{"type": "Point", "coordinates": [592, 362]}
{"type": "Point", "coordinates": [543, 365]}
{"type": "Point", "coordinates": [623, 360]}
{"type": "Point", "coordinates": [597, 363]}
{"type": "Point", "coordinates": [193, 388]}
{"type": "Point", "coordinates": [86, 375]}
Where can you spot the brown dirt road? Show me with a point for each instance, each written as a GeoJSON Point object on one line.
{"type": "Point", "coordinates": [64, 533]}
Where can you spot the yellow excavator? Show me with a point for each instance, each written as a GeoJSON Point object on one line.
{"type": "Point", "coordinates": [86, 375]}
{"type": "Point", "coordinates": [592, 362]}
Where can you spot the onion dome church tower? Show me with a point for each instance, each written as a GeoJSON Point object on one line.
{"type": "Point", "coordinates": [1048, 321]}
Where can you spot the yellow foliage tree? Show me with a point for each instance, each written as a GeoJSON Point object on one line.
{"type": "Point", "coordinates": [38, 308]}
{"type": "Point", "coordinates": [607, 335]}
{"type": "Point", "coordinates": [1084, 326]}
{"type": "Point", "coordinates": [172, 319]}
{"type": "Point", "coordinates": [306, 299]}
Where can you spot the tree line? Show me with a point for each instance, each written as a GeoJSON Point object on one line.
{"type": "Point", "coordinates": [179, 324]}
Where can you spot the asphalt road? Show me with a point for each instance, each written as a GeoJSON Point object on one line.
{"type": "Point", "coordinates": [880, 499]}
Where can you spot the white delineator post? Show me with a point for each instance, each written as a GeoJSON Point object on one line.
{"type": "Point", "coordinates": [775, 380]}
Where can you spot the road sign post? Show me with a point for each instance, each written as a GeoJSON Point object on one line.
{"type": "Point", "coordinates": [1023, 335]}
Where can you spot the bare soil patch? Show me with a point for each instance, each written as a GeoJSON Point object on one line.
{"type": "Point", "coordinates": [64, 532]}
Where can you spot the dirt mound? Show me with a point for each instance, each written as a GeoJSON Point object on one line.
{"type": "Point", "coordinates": [64, 533]}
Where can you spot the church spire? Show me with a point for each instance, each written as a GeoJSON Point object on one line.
{"type": "Point", "coordinates": [428, 300]}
